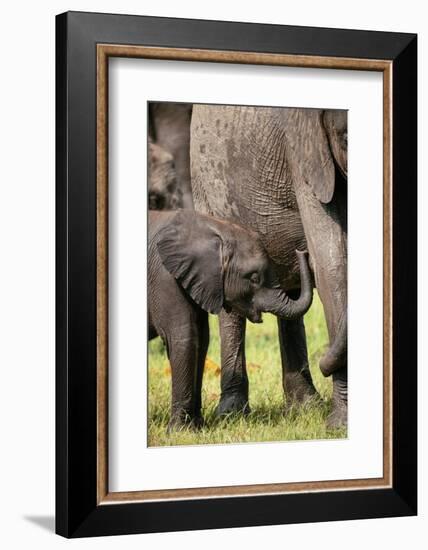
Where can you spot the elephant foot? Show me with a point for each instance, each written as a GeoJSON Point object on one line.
{"type": "Point", "coordinates": [338, 417]}
{"type": "Point", "coordinates": [233, 403]}
{"type": "Point", "coordinates": [299, 390]}
{"type": "Point", "coordinates": [182, 420]}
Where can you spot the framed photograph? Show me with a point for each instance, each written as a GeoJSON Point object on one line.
{"type": "Point", "coordinates": [236, 274]}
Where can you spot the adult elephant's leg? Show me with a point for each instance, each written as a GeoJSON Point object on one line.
{"type": "Point", "coordinates": [325, 229]}
{"type": "Point", "coordinates": [296, 377]}
{"type": "Point", "coordinates": [338, 417]}
{"type": "Point", "coordinates": [204, 338]}
{"type": "Point", "coordinates": [234, 379]}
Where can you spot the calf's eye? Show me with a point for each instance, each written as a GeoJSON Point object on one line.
{"type": "Point", "coordinates": [255, 278]}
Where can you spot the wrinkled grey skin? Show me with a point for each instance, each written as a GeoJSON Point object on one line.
{"type": "Point", "coordinates": [164, 191]}
{"type": "Point", "coordinates": [169, 127]}
{"type": "Point", "coordinates": [283, 174]}
{"type": "Point", "coordinates": [198, 264]}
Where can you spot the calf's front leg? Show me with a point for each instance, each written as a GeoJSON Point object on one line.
{"type": "Point", "coordinates": [234, 378]}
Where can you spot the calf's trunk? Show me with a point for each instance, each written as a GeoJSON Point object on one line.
{"type": "Point", "coordinates": [276, 301]}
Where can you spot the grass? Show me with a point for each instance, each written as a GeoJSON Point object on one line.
{"type": "Point", "coordinates": [267, 421]}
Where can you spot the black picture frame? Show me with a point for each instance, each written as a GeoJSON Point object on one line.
{"type": "Point", "coordinates": [77, 512]}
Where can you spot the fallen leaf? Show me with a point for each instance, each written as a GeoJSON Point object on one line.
{"type": "Point", "coordinates": [253, 366]}
{"type": "Point", "coordinates": [212, 366]}
{"type": "Point", "coordinates": [213, 397]}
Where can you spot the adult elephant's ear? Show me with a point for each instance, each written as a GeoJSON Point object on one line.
{"type": "Point", "coordinates": [336, 126]}
{"type": "Point", "coordinates": [191, 251]}
{"type": "Point", "coordinates": [309, 151]}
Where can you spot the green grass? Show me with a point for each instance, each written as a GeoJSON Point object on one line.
{"type": "Point", "coordinates": [267, 421]}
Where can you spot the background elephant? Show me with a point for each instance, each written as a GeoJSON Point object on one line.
{"type": "Point", "coordinates": [163, 188]}
{"type": "Point", "coordinates": [169, 127]}
{"type": "Point", "coordinates": [197, 264]}
{"type": "Point", "coordinates": [281, 172]}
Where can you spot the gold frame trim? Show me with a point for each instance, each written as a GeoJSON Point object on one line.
{"type": "Point", "coordinates": [104, 51]}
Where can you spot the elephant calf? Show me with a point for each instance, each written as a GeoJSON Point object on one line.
{"type": "Point", "coordinates": [198, 264]}
{"type": "Point", "coordinates": [164, 190]}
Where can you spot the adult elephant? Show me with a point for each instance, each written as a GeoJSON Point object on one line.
{"type": "Point", "coordinates": [169, 127]}
{"type": "Point", "coordinates": [281, 172]}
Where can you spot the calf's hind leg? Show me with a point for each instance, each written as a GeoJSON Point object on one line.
{"type": "Point", "coordinates": [296, 377]}
{"type": "Point", "coordinates": [183, 354]}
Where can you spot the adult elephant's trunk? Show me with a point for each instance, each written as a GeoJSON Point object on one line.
{"type": "Point", "coordinates": [335, 357]}
{"type": "Point", "coordinates": [276, 301]}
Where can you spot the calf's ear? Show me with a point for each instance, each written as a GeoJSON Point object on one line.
{"type": "Point", "coordinates": [190, 250]}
